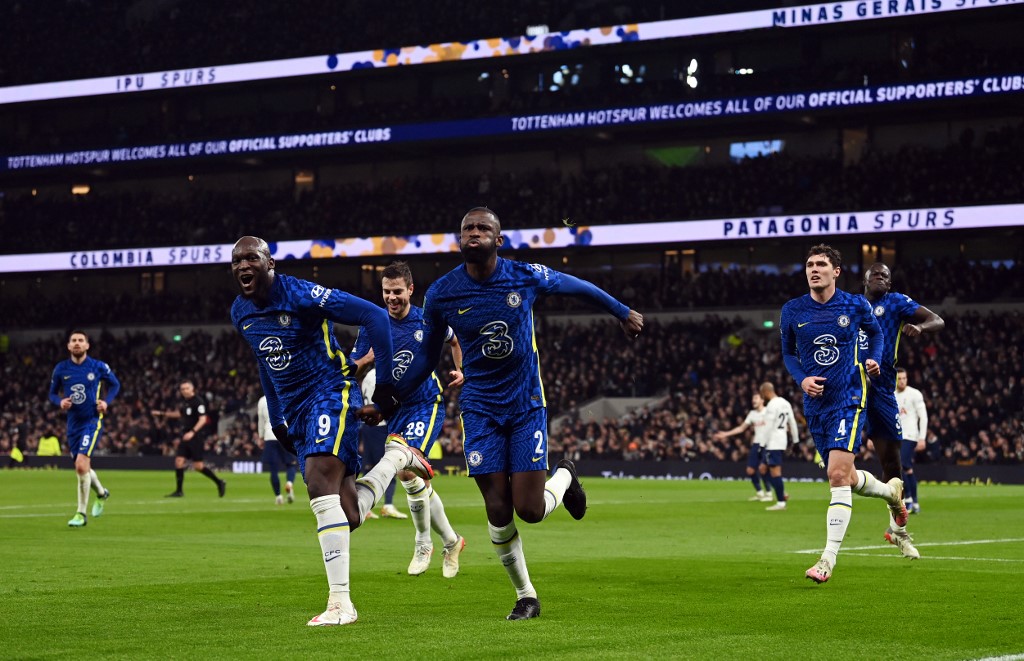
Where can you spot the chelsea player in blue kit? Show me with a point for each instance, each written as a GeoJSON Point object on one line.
{"type": "Point", "coordinates": [77, 388]}
{"type": "Point", "coordinates": [897, 315]}
{"type": "Point", "coordinates": [821, 350]}
{"type": "Point", "coordinates": [314, 401]}
{"type": "Point", "coordinates": [420, 419]}
{"type": "Point", "coordinates": [488, 302]}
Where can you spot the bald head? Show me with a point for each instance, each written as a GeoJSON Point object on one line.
{"type": "Point", "coordinates": [252, 243]}
{"type": "Point", "coordinates": [767, 391]}
{"type": "Point", "coordinates": [253, 267]}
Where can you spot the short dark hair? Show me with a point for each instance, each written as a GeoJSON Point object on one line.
{"type": "Point", "coordinates": [78, 332]}
{"type": "Point", "coordinates": [901, 370]}
{"type": "Point", "coordinates": [484, 210]}
{"type": "Point", "coordinates": [396, 270]}
{"type": "Point", "coordinates": [824, 249]}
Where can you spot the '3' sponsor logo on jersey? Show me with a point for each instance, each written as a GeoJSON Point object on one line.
{"type": "Point", "coordinates": [277, 357]}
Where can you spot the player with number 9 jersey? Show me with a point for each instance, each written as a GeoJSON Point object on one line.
{"type": "Point", "coordinates": [308, 383]}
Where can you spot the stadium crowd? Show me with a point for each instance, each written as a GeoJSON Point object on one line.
{"type": "Point", "coordinates": [699, 377]}
{"type": "Point", "coordinates": [976, 170]}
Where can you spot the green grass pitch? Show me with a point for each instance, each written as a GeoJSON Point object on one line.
{"type": "Point", "coordinates": [655, 570]}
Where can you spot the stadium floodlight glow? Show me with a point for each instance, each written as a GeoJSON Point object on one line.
{"type": "Point", "coordinates": [496, 47]}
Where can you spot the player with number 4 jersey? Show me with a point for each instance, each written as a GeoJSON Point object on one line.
{"type": "Point", "coordinates": [821, 349]}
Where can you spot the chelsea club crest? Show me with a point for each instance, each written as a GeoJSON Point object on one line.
{"type": "Point", "coordinates": [513, 299]}
{"type": "Point", "coordinates": [475, 458]}
{"type": "Point", "coordinates": [879, 311]}
{"type": "Point", "coordinates": [843, 320]}
{"type": "Point", "coordinates": [284, 319]}
{"type": "Point", "coordinates": [418, 336]}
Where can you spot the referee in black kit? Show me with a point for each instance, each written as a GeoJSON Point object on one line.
{"type": "Point", "coordinates": [195, 425]}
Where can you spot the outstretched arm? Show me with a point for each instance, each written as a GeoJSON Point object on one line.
{"type": "Point", "coordinates": [631, 321]}
{"type": "Point", "coordinates": [732, 432]}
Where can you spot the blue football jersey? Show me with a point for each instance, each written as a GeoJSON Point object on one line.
{"type": "Point", "coordinates": [84, 385]}
{"type": "Point", "coordinates": [821, 339]}
{"type": "Point", "coordinates": [494, 323]}
{"type": "Point", "coordinates": [892, 311]}
{"type": "Point", "coordinates": [293, 340]}
{"type": "Point", "coordinates": [407, 337]}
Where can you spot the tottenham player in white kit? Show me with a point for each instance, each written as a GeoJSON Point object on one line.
{"type": "Point", "coordinates": [914, 421]}
{"type": "Point", "coordinates": [756, 467]}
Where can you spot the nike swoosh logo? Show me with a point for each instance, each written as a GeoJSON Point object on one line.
{"type": "Point", "coordinates": [536, 459]}
{"type": "Point", "coordinates": [803, 324]}
{"type": "Point", "coordinates": [461, 311]}
{"type": "Point", "coordinates": [321, 440]}
{"type": "Point", "coordinates": [246, 327]}
{"type": "Point", "coordinates": [66, 378]}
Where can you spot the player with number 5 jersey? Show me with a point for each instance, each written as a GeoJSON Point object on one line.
{"type": "Point", "coordinates": [488, 302]}
{"type": "Point", "coordinates": [77, 388]}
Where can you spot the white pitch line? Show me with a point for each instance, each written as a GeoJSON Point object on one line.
{"type": "Point", "coordinates": [936, 557]}
{"type": "Point", "coordinates": [1008, 657]}
{"type": "Point", "coordinates": [968, 542]}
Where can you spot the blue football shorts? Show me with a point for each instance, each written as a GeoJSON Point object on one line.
{"type": "Point", "coordinates": [883, 417]}
{"type": "Point", "coordinates": [754, 458]}
{"type": "Point", "coordinates": [84, 436]}
{"type": "Point", "coordinates": [839, 429]}
{"type": "Point", "coordinates": [773, 457]}
{"type": "Point", "coordinates": [419, 423]}
{"type": "Point", "coordinates": [326, 424]}
{"type": "Point", "coordinates": [505, 442]}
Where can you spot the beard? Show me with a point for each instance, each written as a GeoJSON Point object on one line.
{"type": "Point", "coordinates": [478, 254]}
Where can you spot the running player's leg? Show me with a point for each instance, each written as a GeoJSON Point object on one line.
{"type": "Point", "coordinates": [197, 448]}
{"type": "Point", "coordinates": [291, 466]}
{"type": "Point", "coordinates": [534, 495]}
{"type": "Point", "coordinates": [773, 459]}
{"type": "Point", "coordinates": [908, 449]}
{"type": "Point", "coordinates": [753, 462]}
{"type": "Point", "coordinates": [272, 452]}
{"type": "Point", "coordinates": [886, 434]}
{"type": "Point", "coordinates": [486, 445]}
{"type": "Point", "coordinates": [81, 441]}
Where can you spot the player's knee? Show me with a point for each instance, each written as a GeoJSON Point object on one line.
{"type": "Point", "coordinates": [531, 513]}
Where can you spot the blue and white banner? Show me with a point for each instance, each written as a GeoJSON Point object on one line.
{"type": "Point", "coordinates": [572, 232]}
{"type": "Point", "coordinates": [787, 17]}
{"type": "Point", "coordinates": [684, 111]}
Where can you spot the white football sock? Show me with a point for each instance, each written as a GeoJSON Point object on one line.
{"type": "Point", "coordinates": [334, 534]}
{"type": "Point", "coordinates": [418, 493]}
{"type": "Point", "coordinates": [554, 490]}
{"type": "Point", "coordinates": [509, 547]}
{"type": "Point", "coordinates": [83, 492]}
{"type": "Point", "coordinates": [375, 482]}
{"type": "Point", "coordinates": [95, 481]}
{"type": "Point", "coordinates": [892, 524]}
{"type": "Point", "coordinates": [439, 520]}
{"type": "Point", "coordinates": [867, 485]}
{"type": "Point", "coordinates": [840, 510]}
